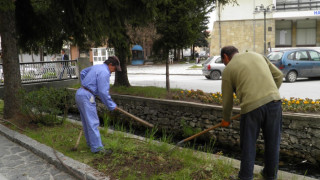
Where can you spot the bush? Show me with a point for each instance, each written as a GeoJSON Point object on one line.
{"type": "Point", "coordinates": [44, 106]}
{"type": "Point", "coordinates": [49, 75]}
{"type": "Point", "coordinates": [27, 77]}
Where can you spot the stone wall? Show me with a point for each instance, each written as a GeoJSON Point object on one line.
{"type": "Point", "coordinates": [300, 136]}
{"type": "Point", "coordinates": [243, 34]}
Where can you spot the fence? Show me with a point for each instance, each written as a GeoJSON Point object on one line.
{"type": "Point", "coordinates": [46, 71]}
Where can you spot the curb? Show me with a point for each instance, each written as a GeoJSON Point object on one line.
{"type": "Point", "coordinates": [88, 173]}
{"type": "Point", "coordinates": [47, 153]}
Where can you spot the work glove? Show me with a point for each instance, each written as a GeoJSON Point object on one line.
{"type": "Point", "coordinates": [225, 123]}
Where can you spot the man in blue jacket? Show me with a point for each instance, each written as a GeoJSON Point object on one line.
{"type": "Point", "coordinates": [95, 81]}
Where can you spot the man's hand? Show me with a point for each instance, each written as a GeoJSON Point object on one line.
{"type": "Point", "coordinates": [225, 123]}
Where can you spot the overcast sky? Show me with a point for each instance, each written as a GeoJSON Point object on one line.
{"type": "Point", "coordinates": [211, 20]}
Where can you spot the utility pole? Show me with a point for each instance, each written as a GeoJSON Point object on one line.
{"type": "Point", "coordinates": [263, 9]}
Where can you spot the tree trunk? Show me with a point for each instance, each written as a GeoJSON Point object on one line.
{"type": "Point", "coordinates": [193, 51]}
{"type": "Point", "coordinates": [41, 54]}
{"type": "Point", "coordinates": [32, 56]}
{"type": "Point", "coordinates": [167, 71]}
{"type": "Point", "coordinates": [10, 56]}
{"type": "Point", "coordinates": [121, 78]}
{"type": "Point", "coordinates": [179, 53]}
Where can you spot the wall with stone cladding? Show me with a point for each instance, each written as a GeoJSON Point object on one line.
{"type": "Point", "coordinates": [300, 136]}
{"type": "Point", "coordinates": [243, 34]}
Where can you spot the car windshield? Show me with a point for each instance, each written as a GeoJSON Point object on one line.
{"type": "Point", "coordinates": [208, 60]}
{"type": "Point", "coordinates": [275, 56]}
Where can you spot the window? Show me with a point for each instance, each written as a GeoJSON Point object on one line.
{"type": "Point", "coordinates": [306, 32]}
{"type": "Point", "coordinates": [315, 56]}
{"type": "Point", "coordinates": [283, 33]}
{"type": "Point", "coordinates": [291, 56]}
{"type": "Point", "coordinates": [302, 56]}
{"type": "Point", "coordinates": [99, 55]}
{"type": "Point", "coordinates": [275, 56]}
{"type": "Point", "coordinates": [219, 60]}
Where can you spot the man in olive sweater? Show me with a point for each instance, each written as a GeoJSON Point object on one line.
{"type": "Point", "coordinates": [256, 82]}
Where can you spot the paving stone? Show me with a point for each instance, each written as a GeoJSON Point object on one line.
{"type": "Point", "coordinates": [12, 158]}
{"type": "Point", "coordinates": [18, 177]}
{"type": "Point", "coordinates": [3, 152]}
{"type": "Point", "coordinates": [62, 176]}
{"type": "Point", "coordinates": [16, 150]}
{"type": "Point", "coordinates": [45, 177]}
{"type": "Point", "coordinates": [18, 163]}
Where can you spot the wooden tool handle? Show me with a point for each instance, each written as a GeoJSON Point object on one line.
{"type": "Point", "coordinates": [202, 132]}
{"type": "Point", "coordinates": [135, 117]}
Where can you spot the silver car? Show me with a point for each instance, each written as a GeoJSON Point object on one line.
{"type": "Point", "coordinates": [213, 67]}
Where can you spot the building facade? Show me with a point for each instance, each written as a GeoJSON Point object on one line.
{"type": "Point", "coordinates": [262, 25]}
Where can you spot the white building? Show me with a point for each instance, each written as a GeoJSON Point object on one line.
{"type": "Point", "coordinates": [253, 24]}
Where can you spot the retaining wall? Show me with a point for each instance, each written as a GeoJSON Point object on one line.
{"type": "Point", "coordinates": [300, 132]}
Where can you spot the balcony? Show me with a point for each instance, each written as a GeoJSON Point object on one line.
{"type": "Point", "coordinates": [297, 5]}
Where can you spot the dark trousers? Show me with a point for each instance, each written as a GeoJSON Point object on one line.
{"type": "Point", "coordinates": [68, 71]}
{"type": "Point", "coordinates": [269, 118]}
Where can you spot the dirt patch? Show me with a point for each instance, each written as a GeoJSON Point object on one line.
{"type": "Point", "coordinates": [141, 164]}
{"type": "Point", "coordinates": [19, 122]}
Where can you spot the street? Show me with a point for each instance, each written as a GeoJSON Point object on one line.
{"type": "Point", "coordinates": [303, 88]}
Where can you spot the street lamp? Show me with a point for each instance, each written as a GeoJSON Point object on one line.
{"type": "Point", "coordinates": [263, 9]}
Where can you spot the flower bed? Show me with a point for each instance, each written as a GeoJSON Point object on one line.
{"type": "Point", "coordinates": [291, 105]}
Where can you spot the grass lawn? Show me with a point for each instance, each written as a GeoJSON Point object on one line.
{"type": "Point", "coordinates": [131, 158]}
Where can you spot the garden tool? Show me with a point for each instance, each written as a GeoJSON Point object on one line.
{"type": "Point", "coordinates": [77, 143]}
{"type": "Point", "coordinates": [222, 124]}
{"type": "Point", "coordinates": [135, 117]}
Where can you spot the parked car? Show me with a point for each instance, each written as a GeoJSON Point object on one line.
{"type": "Point", "coordinates": [28, 70]}
{"type": "Point", "coordinates": [47, 68]}
{"type": "Point", "coordinates": [296, 63]}
{"type": "Point", "coordinates": [213, 67]}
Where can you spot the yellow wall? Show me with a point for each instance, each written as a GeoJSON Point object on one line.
{"type": "Point", "coordinates": [243, 34]}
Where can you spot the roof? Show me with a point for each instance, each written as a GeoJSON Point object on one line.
{"type": "Point", "coordinates": [137, 48]}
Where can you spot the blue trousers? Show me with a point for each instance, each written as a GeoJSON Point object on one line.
{"type": "Point", "coordinates": [269, 118]}
{"type": "Point", "coordinates": [89, 117]}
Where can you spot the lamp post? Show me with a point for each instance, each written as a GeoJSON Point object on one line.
{"type": "Point", "coordinates": [263, 9]}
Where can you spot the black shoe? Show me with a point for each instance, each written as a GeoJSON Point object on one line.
{"type": "Point", "coordinates": [105, 152]}
{"type": "Point", "coordinates": [233, 177]}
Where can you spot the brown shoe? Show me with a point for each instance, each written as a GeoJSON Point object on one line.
{"type": "Point", "coordinates": [106, 152]}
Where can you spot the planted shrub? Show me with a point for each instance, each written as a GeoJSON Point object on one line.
{"type": "Point", "coordinates": [44, 106]}
{"type": "Point", "coordinates": [291, 105]}
{"type": "Point", "coordinates": [49, 75]}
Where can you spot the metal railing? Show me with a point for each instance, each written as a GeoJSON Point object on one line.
{"type": "Point", "coordinates": [46, 71]}
{"type": "Point", "coordinates": [298, 5]}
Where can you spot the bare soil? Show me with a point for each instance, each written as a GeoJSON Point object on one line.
{"type": "Point", "coordinates": [143, 164]}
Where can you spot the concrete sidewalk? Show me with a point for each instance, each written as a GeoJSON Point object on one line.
{"type": "Point", "coordinates": [174, 69]}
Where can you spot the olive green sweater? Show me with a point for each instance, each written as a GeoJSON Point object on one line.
{"type": "Point", "coordinates": [254, 80]}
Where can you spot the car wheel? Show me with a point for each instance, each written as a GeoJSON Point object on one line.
{"type": "Point", "coordinates": [291, 76]}
{"type": "Point", "coordinates": [208, 77]}
{"type": "Point", "coordinates": [215, 75]}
